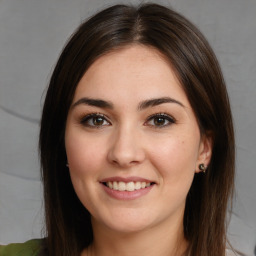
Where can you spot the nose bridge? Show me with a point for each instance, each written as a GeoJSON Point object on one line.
{"type": "Point", "coordinates": [126, 148]}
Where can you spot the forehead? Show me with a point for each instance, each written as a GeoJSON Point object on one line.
{"type": "Point", "coordinates": [132, 71]}
{"type": "Point", "coordinates": [134, 58]}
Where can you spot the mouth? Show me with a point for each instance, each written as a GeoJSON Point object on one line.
{"type": "Point", "coordinates": [127, 186]}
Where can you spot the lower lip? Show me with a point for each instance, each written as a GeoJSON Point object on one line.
{"type": "Point", "coordinates": [127, 195]}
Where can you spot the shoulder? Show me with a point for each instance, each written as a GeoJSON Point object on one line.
{"type": "Point", "coordinates": [29, 248]}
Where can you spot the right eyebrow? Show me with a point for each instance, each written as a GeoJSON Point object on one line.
{"type": "Point", "coordinates": [93, 102]}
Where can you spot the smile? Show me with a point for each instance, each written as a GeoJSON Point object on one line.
{"type": "Point", "coordinates": [127, 186]}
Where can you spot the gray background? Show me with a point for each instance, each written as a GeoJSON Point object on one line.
{"type": "Point", "coordinates": [32, 33]}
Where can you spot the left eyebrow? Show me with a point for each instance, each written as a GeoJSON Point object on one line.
{"type": "Point", "coordinates": [158, 101]}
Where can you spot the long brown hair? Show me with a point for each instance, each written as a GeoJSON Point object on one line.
{"type": "Point", "coordinates": [68, 223]}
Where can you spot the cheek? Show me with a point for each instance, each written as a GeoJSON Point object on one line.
{"type": "Point", "coordinates": [175, 158]}
{"type": "Point", "coordinates": [85, 160]}
{"type": "Point", "coordinates": [84, 155]}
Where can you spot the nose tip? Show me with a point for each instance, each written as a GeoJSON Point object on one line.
{"type": "Point", "coordinates": [126, 151]}
{"type": "Point", "coordinates": [124, 159]}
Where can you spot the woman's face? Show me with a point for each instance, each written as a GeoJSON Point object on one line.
{"type": "Point", "coordinates": [132, 141]}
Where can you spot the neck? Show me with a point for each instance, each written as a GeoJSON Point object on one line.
{"type": "Point", "coordinates": [161, 240]}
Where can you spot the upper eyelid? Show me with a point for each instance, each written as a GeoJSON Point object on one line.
{"type": "Point", "coordinates": [106, 116]}
{"type": "Point", "coordinates": [170, 121]}
{"type": "Point", "coordinates": [96, 114]}
{"type": "Point", "coordinates": [161, 114]}
{"type": "Point", "coordinates": [164, 115]}
{"type": "Point", "coordinates": [91, 115]}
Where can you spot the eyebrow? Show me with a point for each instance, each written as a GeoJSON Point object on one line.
{"type": "Point", "coordinates": [142, 105]}
{"type": "Point", "coordinates": [158, 101]}
{"type": "Point", "coordinates": [94, 102]}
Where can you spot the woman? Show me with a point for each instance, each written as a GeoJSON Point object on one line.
{"type": "Point", "coordinates": [136, 141]}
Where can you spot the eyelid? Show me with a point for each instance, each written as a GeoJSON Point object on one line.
{"type": "Point", "coordinates": [168, 117]}
{"type": "Point", "coordinates": [85, 118]}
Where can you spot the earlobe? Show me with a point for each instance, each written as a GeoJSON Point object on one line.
{"type": "Point", "coordinates": [204, 153]}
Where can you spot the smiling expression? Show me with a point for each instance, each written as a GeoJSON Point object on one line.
{"type": "Point", "coordinates": [132, 141]}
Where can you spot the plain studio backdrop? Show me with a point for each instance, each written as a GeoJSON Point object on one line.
{"type": "Point", "coordinates": [32, 34]}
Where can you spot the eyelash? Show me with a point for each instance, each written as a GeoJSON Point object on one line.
{"type": "Point", "coordinates": [84, 121]}
{"type": "Point", "coordinates": [166, 117]}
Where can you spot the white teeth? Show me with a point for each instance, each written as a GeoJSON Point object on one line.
{"type": "Point", "coordinates": [122, 186]}
{"type": "Point", "coordinates": [115, 186]}
{"type": "Point", "coordinates": [138, 185]}
{"type": "Point", "coordinates": [109, 184]}
{"type": "Point", "coordinates": [129, 186]}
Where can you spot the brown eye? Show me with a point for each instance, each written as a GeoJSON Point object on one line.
{"type": "Point", "coordinates": [160, 120]}
{"type": "Point", "coordinates": [98, 120]}
{"type": "Point", "coordinates": [94, 121]}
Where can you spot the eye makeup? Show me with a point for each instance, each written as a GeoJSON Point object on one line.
{"type": "Point", "coordinates": [99, 120]}
{"type": "Point", "coordinates": [160, 120]}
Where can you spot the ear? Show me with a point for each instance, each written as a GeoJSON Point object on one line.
{"type": "Point", "coordinates": [204, 152]}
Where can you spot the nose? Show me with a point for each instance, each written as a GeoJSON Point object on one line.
{"type": "Point", "coordinates": [126, 148]}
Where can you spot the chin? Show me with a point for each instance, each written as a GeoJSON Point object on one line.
{"type": "Point", "coordinates": [128, 222]}
{"type": "Point", "coordinates": [128, 227]}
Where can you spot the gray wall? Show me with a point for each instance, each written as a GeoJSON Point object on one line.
{"type": "Point", "coordinates": [32, 33]}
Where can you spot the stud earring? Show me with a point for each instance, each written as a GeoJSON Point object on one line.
{"type": "Point", "coordinates": [202, 167]}
{"type": "Point", "coordinates": [67, 165]}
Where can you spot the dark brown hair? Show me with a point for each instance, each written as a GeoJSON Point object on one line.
{"type": "Point", "coordinates": [68, 223]}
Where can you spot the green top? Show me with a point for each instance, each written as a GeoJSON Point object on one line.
{"type": "Point", "coordinates": [29, 248]}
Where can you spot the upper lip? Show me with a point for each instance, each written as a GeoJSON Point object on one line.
{"type": "Point", "coordinates": [126, 179]}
